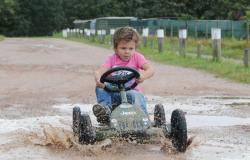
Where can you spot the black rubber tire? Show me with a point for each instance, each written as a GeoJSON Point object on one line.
{"type": "Point", "coordinates": [179, 130]}
{"type": "Point", "coordinates": [76, 121]}
{"type": "Point", "coordinates": [87, 131]}
{"type": "Point", "coordinates": [159, 116]}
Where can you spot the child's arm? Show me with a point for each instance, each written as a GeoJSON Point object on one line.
{"type": "Point", "coordinates": [98, 74]}
{"type": "Point", "coordinates": [148, 72]}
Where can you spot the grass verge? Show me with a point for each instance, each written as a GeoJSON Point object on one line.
{"type": "Point", "coordinates": [1, 37]}
{"type": "Point", "coordinates": [224, 69]}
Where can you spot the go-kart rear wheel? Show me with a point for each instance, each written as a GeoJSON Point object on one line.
{"type": "Point", "coordinates": [179, 130]}
{"type": "Point", "coordinates": [76, 121]}
{"type": "Point", "coordinates": [159, 116]}
{"type": "Point", "coordinates": [87, 131]}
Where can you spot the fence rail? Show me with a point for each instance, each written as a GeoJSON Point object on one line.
{"type": "Point", "coordinates": [195, 28]}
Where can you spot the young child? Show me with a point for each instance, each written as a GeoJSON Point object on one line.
{"type": "Point", "coordinates": [125, 41]}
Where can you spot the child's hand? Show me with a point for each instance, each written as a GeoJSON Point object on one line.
{"type": "Point", "coordinates": [139, 80]}
{"type": "Point", "coordinates": [100, 85]}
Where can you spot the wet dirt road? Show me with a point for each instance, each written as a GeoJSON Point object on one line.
{"type": "Point", "coordinates": [42, 79]}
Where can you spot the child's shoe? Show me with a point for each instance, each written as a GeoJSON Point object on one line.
{"type": "Point", "coordinates": [102, 114]}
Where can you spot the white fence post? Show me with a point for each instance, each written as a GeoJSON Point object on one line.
{"type": "Point", "coordinates": [182, 41]}
{"type": "Point", "coordinates": [160, 36]}
{"type": "Point", "coordinates": [216, 40]}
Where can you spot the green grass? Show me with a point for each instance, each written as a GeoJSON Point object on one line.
{"type": "Point", "coordinates": [1, 37]}
{"type": "Point", "coordinates": [223, 68]}
{"type": "Point", "coordinates": [230, 48]}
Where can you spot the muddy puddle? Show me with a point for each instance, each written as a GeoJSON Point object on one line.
{"type": "Point", "coordinates": [219, 126]}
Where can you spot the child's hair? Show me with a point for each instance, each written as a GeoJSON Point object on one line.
{"type": "Point", "coordinates": [125, 34]}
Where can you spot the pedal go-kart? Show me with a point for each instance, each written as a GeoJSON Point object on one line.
{"type": "Point", "coordinates": [128, 120]}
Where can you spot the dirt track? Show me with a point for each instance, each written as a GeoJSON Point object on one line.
{"type": "Point", "coordinates": [38, 73]}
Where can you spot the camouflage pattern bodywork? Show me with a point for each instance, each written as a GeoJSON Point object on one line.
{"type": "Point", "coordinates": [128, 121]}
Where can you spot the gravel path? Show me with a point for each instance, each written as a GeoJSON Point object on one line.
{"type": "Point", "coordinates": [38, 73]}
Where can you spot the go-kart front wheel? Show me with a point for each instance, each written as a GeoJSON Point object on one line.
{"type": "Point", "coordinates": [87, 134]}
{"type": "Point", "coordinates": [76, 121]}
{"type": "Point", "coordinates": [179, 130]}
{"type": "Point", "coordinates": [159, 116]}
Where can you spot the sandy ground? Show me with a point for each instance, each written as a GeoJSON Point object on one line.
{"type": "Point", "coordinates": [36, 74]}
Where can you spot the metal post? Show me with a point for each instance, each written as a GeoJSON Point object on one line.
{"type": "Point", "coordinates": [99, 34]}
{"type": "Point", "coordinates": [145, 42]}
{"type": "Point", "coordinates": [206, 29]}
{"type": "Point", "coordinates": [171, 31]}
{"type": "Point", "coordinates": [145, 36]}
{"type": "Point", "coordinates": [151, 37]}
{"type": "Point", "coordinates": [216, 49]}
{"type": "Point", "coordinates": [112, 31]}
{"type": "Point", "coordinates": [196, 33]}
{"type": "Point", "coordinates": [247, 30]}
{"type": "Point", "coordinates": [92, 35]}
{"type": "Point", "coordinates": [103, 35]}
{"type": "Point", "coordinates": [246, 58]}
{"type": "Point", "coordinates": [182, 41]}
{"type": "Point", "coordinates": [160, 37]}
{"type": "Point", "coordinates": [160, 44]}
{"type": "Point", "coordinates": [182, 44]}
{"type": "Point", "coordinates": [232, 28]}
{"type": "Point", "coordinates": [88, 34]}
{"type": "Point", "coordinates": [199, 50]}
{"type": "Point", "coordinates": [216, 42]}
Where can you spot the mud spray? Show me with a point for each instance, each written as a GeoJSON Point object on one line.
{"type": "Point", "coordinates": [55, 134]}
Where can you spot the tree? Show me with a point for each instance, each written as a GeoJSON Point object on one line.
{"type": "Point", "coordinates": [8, 17]}
{"type": "Point", "coordinates": [42, 17]}
{"type": "Point", "coordinates": [30, 17]}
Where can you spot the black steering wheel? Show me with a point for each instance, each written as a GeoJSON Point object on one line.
{"type": "Point", "coordinates": [120, 79]}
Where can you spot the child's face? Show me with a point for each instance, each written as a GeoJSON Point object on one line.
{"type": "Point", "coordinates": [125, 50]}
